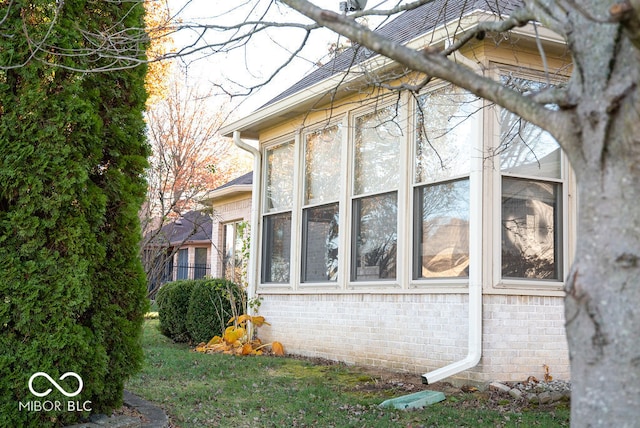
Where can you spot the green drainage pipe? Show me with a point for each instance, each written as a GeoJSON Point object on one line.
{"type": "Point", "coordinates": [416, 400]}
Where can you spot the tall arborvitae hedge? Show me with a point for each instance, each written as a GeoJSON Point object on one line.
{"type": "Point", "coordinates": [72, 157]}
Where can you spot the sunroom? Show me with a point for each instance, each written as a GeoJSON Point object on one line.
{"type": "Point", "coordinates": [416, 230]}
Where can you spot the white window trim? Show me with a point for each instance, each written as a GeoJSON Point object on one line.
{"type": "Point", "coordinates": [342, 121]}
{"type": "Point", "coordinates": [403, 265]}
{"type": "Point", "coordinates": [475, 206]}
{"type": "Point", "coordinates": [286, 139]}
{"type": "Point", "coordinates": [493, 177]}
{"type": "Point", "coordinates": [485, 203]}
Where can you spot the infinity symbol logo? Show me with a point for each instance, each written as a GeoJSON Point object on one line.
{"type": "Point", "coordinates": [54, 383]}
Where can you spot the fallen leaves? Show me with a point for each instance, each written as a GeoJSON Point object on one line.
{"type": "Point", "coordinates": [237, 339]}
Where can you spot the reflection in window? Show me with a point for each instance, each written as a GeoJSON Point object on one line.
{"type": "Point", "coordinates": [375, 237]}
{"type": "Point", "coordinates": [442, 230]}
{"type": "Point", "coordinates": [446, 128]}
{"type": "Point", "coordinates": [531, 208]}
{"type": "Point", "coordinates": [233, 243]}
{"type": "Point", "coordinates": [377, 151]}
{"type": "Point", "coordinates": [279, 185]}
{"type": "Point", "coordinates": [276, 250]}
{"type": "Point", "coordinates": [183, 264]}
{"type": "Point", "coordinates": [526, 149]}
{"type": "Point", "coordinates": [322, 165]}
{"type": "Point", "coordinates": [531, 241]}
{"type": "Point", "coordinates": [200, 267]}
{"type": "Point", "coordinates": [320, 243]}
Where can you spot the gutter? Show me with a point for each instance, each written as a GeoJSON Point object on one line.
{"type": "Point", "coordinates": [255, 218]}
{"type": "Point", "coordinates": [474, 347]}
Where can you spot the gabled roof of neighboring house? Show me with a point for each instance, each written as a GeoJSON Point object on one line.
{"type": "Point", "coordinates": [242, 180]}
{"type": "Point", "coordinates": [193, 227]}
{"type": "Point", "coordinates": [241, 184]}
{"type": "Point", "coordinates": [407, 26]}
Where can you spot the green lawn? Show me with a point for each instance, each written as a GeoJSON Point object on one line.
{"type": "Point", "coordinates": [198, 390]}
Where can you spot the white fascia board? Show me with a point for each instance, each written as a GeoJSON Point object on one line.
{"type": "Point", "coordinates": [238, 188]}
{"type": "Point", "coordinates": [226, 191]}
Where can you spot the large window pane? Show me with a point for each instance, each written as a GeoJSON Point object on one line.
{"type": "Point", "coordinates": [279, 185]}
{"type": "Point", "coordinates": [531, 242]}
{"type": "Point", "coordinates": [201, 263]}
{"type": "Point", "coordinates": [322, 165]}
{"type": "Point", "coordinates": [526, 149]}
{"type": "Point", "coordinates": [377, 151]}
{"type": "Point", "coordinates": [320, 243]}
{"type": "Point", "coordinates": [183, 264]}
{"type": "Point", "coordinates": [276, 250]}
{"type": "Point", "coordinates": [442, 230]}
{"type": "Point", "coordinates": [233, 241]}
{"type": "Point", "coordinates": [446, 128]}
{"type": "Point", "coordinates": [375, 237]}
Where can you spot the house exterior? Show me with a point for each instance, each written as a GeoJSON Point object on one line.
{"type": "Point", "coordinates": [231, 205]}
{"type": "Point", "coordinates": [180, 249]}
{"type": "Point", "coordinates": [423, 232]}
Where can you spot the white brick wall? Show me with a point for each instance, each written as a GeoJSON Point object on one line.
{"type": "Point", "coordinates": [420, 332]}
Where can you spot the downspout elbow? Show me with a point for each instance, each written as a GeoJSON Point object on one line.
{"type": "Point", "coordinates": [474, 353]}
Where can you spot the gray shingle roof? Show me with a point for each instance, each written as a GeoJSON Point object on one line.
{"type": "Point", "coordinates": [191, 227]}
{"type": "Point", "coordinates": [242, 180]}
{"type": "Point", "coordinates": [403, 28]}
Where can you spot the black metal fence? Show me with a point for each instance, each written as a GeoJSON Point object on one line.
{"type": "Point", "coordinates": [192, 271]}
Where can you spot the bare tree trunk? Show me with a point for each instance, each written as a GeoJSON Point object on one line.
{"type": "Point", "coordinates": [603, 289]}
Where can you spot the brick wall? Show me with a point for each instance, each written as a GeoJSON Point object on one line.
{"type": "Point", "coordinates": [233, 211]}
{"type": "Point", "coordinates": [417, 333]}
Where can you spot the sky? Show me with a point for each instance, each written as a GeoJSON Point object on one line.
{"type": "Point", "coordinates": [266, 51]}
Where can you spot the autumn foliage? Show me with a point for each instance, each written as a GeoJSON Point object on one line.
{"type": "Point", "coordinates": [238, 339]}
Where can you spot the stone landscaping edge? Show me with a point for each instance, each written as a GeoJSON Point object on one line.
{"type": "Point", "coordinates": [535, 392]}
{"type": "Point", "coordinates": [153, 416]}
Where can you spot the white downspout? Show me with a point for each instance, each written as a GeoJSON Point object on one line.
{"type": "Point", "coordinates": [474, 352]}
{"type": "Point", "coordinates": [475, 292]}
{"type": "Point", "coordinates": [255, 216]}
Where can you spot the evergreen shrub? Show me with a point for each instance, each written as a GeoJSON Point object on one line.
{"type": "Point", "coordinates": [173, 303]}
{"type": "Point", "coordinates": [196, 310]}
{"type": "Point", "coordinates": [213, 302]}
{"type": "Point", "coordinates": [72, 162]}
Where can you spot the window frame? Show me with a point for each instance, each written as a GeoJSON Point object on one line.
{"type": "Point", "coordinates": [401, 104]}
{"type": "Point", "coordinates": [484, 206]}
{"type": "Point", "coordinates": [476, 182]}
{"type": "Point", "coordinates": [494, 176]}
{"type": "Point", "coordinates": [304, 207]}
{"type": "Point", "coordinates": [266, 213]}
{"type": "Point", "coordinates": [235, 225]}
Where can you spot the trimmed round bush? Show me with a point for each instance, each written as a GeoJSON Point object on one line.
{"type": "Point", "coordinates": [173, 303]}
{"type": "Point", "coordinates": [213, 302]}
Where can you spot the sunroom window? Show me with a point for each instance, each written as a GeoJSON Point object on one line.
{"type": "Point", "coordinates": [320, 214]}
{"type": "Point", "coordinates": [531, 206]}
{"type": "Point", "coordinates": [447, 122]}
{"type": "Point", "coordinates": [276, 251]}
{"type": "Point", "coordinates": [376, 166]}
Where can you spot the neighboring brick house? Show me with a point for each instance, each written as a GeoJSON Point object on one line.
{"type": "Point", "coordinates": [181, 249]}
{"type": "Point", "coordinates": [426, 233]}
{"type": "Point", "coordinates": [231, 205]}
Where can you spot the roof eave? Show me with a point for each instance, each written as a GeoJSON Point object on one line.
{"type": "Point", "coordinates": [302, 101]}
{"type": "Point", "coordinates": [227, 191]}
